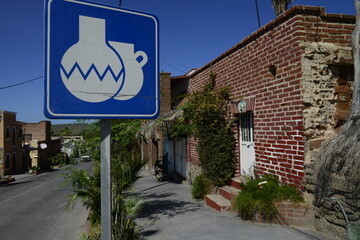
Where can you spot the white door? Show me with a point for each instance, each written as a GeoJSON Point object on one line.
{"type": "Point", "coordinates": [247, 150]}
{"type": "Point", "coordinates": [180, 156]}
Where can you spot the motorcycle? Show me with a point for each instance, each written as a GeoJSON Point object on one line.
{"type": "Point", "coordinates": [159, 171]}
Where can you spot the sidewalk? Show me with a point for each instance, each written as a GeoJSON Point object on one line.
{"type": "Point", "coordinates": [170, 213]}
{"type": "Point", "coordinates": [21, 176]}
{"type": "Point", "coordinates": [14, 177]}
{"type": "Point", "coordinates": [27, 175]}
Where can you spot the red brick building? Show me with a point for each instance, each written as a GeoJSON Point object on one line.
{"type": "Point", "coordinates": [292, 81]}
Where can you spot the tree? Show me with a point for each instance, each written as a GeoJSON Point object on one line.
{"type": "Point", "coordinates": [280, 6]}
{"type": "Point", "coordinates": [65, 131]}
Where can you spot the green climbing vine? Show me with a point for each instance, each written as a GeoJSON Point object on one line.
{"type": "Point", "coordinates": [205, 118]}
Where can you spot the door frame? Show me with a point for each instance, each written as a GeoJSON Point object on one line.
{"type": "Point", "coordinates": [177, 156]}
{"type": "Point", "coordinates": [246, 143]}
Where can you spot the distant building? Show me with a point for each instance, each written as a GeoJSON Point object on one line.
{"type": "Point", "coordinates": [25, 145]}
{"type": "Point", "coordinates": [156, 142]}
{"type": "Point", "coordinates": [12, 156]}
{"type": "Point", "coordinates": [69, 145]}
{"type": "Point", "coordinates": [39, 144]}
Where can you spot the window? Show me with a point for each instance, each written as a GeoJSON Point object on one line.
{"type": "Point", "coordinates": [14, 136]}
{"type": "Point", "coordinates": [28, 137]}
{"type": "Point", "coordinates": [246, 125]}
{"type": "Point", "coordinates": [7, 132]}
{"type": "Point", "coordinates": [21, 135]}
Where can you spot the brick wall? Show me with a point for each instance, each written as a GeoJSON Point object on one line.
{"type": "Point", "coordinates": [292, 214]}
{"type": "Point", "coordinates": [165, 94]}
{"type": "Point", "coordinates": [40, 131]}
{"type": "Point", "coordinates": [191, 153]}
{"type": "Point", "coordinates": [295, 214]}
{"type": "Point", "coordinates": [279, 105]}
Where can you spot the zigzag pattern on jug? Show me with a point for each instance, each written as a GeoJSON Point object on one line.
{"type": "Point", "coordinates": [92, 68]}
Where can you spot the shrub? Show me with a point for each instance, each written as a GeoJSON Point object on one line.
{"type": "Point", "coordinates": [125, 167]}
{"type": "Point", "coordinates": [34, 169]}
{"type": "Point", "coordinates": [201, 187]}
{"type": "Point", "coordinates": [258, 197]}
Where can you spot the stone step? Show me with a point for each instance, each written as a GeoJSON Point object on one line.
{"type": "Point", "coordinates": [218, 202]}
{"type": "Point", "coordinates": [229, 192]}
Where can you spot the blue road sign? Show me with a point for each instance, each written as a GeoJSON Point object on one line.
{"type": "Point", "coordinates": [100, 61]}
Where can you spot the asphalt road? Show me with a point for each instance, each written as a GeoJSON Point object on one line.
{"type": "Point", "coordinates": [33, 209]}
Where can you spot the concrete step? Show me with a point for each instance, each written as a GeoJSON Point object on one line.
{"type": "Point", "coordinates": [229, 192]}
{"type": "Point", "coordinates": [235, 182]}
{"type": "Point", "coordinates": [218, 202]}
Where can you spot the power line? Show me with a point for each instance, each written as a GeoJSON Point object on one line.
{"type": "Point", "coordinates": [21, 83]}
{"type": "Point", "coordinates": [21, 70]}
{"type": "Point", "coordinates": [178, 69]}
{"type": "Point", "coordinates": [164, 59]}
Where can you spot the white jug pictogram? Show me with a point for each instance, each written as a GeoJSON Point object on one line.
{"type": "Point", "coordinates": [95, 70]}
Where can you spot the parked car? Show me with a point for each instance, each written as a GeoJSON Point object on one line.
{"type": "Point", "coordinates": [86, 158]}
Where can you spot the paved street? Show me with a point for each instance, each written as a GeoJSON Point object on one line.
{"type": "Point", "coordinates": [32, 208]}
{"type": "Point", "coordinates": [170, 213]}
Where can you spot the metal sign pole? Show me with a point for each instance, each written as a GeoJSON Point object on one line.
{"type": "Point", "coordinates": [105, 180]}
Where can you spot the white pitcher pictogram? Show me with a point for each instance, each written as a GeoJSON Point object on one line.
{"type": "Point", "coordinates": [134, 74]}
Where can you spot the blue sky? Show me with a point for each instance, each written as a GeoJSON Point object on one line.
{"type": "Point", "coordinates": [192, 33]}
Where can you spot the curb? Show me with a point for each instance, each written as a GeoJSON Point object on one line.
{"type": "Point", "coordinates": [7, 181]}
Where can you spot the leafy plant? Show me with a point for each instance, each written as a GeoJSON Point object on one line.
{"type": "Point", "coordinates": [201, 187]}
{"type": "Point", "coordinates": [87, 188]}
{"type": "Point", "coordinates": [280, 6]}
{"type": "Point", "coordinates": [124, 144]}
{"type": "Point", "coordinates": [258, 197]}
{"type": "Point", "coordinates": [206, 119]}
